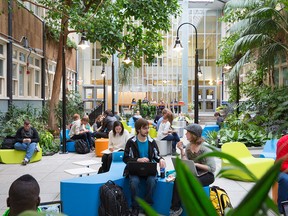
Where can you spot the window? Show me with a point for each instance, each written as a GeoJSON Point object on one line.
{"type": "Point", "coordinates": [1, 49]}
{"type": "Point", "coordinates": [22, 57]}
{"type": "Point", "coordinates": [37, 83]}
{"type": "Point", "coordinates": [21, 80]}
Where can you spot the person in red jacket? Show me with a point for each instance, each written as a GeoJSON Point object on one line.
{"type": "Point", "coordinates": [282, 153]}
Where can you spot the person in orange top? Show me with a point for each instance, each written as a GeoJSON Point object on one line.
{"type": "Point", "coordinates": [282, 153]}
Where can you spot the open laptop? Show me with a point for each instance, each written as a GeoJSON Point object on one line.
{"type": "Point", "coordinates": [51, 207]}
{"type": "Point", "coordinates": [284, 205]}
{"type": "Point", "coordinates": [191, 166]}
{"type": "Point", "coordinates": [142, 169]}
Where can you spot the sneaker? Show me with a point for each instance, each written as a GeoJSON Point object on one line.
{"type": "Point", "coordinates": [175, 212]}
{"type": "Point", "coordinates": [25, 161]}
{"type": "Point", "coordinates": [37, 149]}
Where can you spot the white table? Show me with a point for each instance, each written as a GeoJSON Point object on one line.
{"type": "Point", "coordinates": [80, 171]}
{"type": "Point", "coordinates": [87, 163]}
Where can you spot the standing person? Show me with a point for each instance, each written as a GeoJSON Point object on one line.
{"type": "Point", "coordinates": [219, 119]}
{"type": "Point", "coordinates": [107, 125]}
{"type": "Point", "coordinates": [142, 148]}
{"type": "Point", "coordinates": [165, 131]}
{"type": "Point", "coordinates": [207, 165]}
{"type": "Point", "coordinates": [26, 140]}
{"type": "Point", "coordinates": [23, 195]}
{"type": "Point", "coordinates": [118, 137]}
{"type": "Point", "coordinates": [281, 153]}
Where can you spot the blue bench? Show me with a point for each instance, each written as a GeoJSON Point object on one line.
{"type": "Point", "coordinates": [269, 150]}
{"type": "Point", "coordinates": [80, 196]}
{"type": "Point", "coordinates": [209, 128]}
{"type": "Point", "coordinates": [70, 144]}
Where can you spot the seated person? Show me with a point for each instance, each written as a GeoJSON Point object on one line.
{"type": "Point", "coordinates": [165, 131]}
{"type": "Point", "coordinates": [133, 102]}
{"type": "Point", "coordinates": [281, 152]}
{"type": "Point", "coordinates": [161, 104]}
{"type": "Point", "coordinates": [207, 165]}
{"type": "Point", "coordinates": [164, 112]}
{"type": "Point", "coordinates": [142, 149]}
{"type": "Point", "coordinates": [26, 140]}
{"type": "Point", "coordinates": [118, 137]}
{"type": "Point", "coordinates": [98, 123]}
{"type": "Point", "coordinates": [86, 128]}
{"type": "Point", "coordinates": [137, 116]}
{"type": "Point", "coordinates": [145, 100]}
{"type": "Point", "coordinates": [23, 195]}
{"type": "Point", "coordinates": [76, 132]}
{"type": "Point", "coordinates": [107, 125]}
{"type": "Point", "coordinates": [157, 117]}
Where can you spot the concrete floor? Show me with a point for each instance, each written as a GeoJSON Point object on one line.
{"type": "Point", "coordinates": [50, 171]}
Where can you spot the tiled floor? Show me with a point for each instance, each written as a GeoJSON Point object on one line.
{"type": "Point", "coordinates": [50, 171]}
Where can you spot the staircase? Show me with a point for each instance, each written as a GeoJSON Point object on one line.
{"type": "Point", "coordinates": [207, 118]}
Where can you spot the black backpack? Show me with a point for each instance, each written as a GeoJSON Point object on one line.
{"type": "Point", "coordinates": [81, 147]}
{"type": "Point", "coordinates": [8, 142]}
{"type": "Point", "coordinates": [113, 201]}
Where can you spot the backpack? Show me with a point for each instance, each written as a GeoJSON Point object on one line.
{"type": "Point", "coordinates": [219, 199]}
{"type": "Point", "coordinates": [81, 147]}
{"type": "Point", "coordinates": [8, 142]}
{"type": "Point", "coordinates": [113, 201]}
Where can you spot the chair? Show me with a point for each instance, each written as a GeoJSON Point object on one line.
{"type": "Point", "coordinates": [258, 166]}
{"type": "Point", "coordinates": [128, 128]}
{"type": "Point", "coordinates": [70, 144]}
{"type": "Point", "coordinates": [152, 133]}
{"type": "Point", "coordinates": [164, 146]}
{"type": "Point", "coordinates": [269, 150]}
{"type": "Point", "coordinates": [209, 128]}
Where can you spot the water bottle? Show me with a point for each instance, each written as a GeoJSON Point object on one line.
{"type": "Point", "coordinates": [162, 172]}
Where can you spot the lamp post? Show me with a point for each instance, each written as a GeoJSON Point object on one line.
{"type": "Point", "coordinates": [178, 46]}
{"type": "Point", "coordinates": [82, 44]}
{"type": "Point", "coordinates": [104, 85]}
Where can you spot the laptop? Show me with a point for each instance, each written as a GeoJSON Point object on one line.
{"type": "Point", "coordinates": [284, 205]}
{"type": "Point", "coordinates": [142, 168]}
{"type": "Point", "coordinates": [191, 166]}
{"type": "Point", "coordinates": [51, 207]}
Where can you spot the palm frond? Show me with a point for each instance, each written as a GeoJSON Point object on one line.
{"type": "Point", "coordinates": [237, 67]}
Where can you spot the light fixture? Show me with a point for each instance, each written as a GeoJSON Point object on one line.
{"type": "Point", "coordinates": [83, 44]}
{"type": "Point", "coordinates": [127, 60]}
{"type": "Point", "coordinates": [178, 46]}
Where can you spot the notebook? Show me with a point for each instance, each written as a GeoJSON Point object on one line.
{"type": "Point", "coordinates": [51, 207]}
{"type": "Point", "coordinates": [191, 166]}
{"type": "Point", "coordinates": [142, 169]}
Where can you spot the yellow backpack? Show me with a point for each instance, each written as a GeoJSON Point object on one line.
{"type": "Point", "coordinates": [219, 199]}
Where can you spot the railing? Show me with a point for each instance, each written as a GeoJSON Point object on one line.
{"type": "Point", "coordinates": [98, 110]}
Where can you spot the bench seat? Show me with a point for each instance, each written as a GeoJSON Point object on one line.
{"type": "Point", "coordinates": [12, 156]}
{"type": "Point", "coordinates": [258, 166]}
{"type": "Point", "coordinates": [80, 196]}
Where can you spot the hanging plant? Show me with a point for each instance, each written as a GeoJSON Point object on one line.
{"type": "Point", "coordinates": [125, 74]}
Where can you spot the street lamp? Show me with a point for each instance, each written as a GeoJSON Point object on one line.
{"type": "Point", "coordinates": [178, 46]}
{"type": "Point", "coordinates": [104, 85]}
{"type": "Point", "coordinates": [82, 42]}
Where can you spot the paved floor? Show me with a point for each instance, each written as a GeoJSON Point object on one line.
{"type": "Point", "coordinates": [50, 171]}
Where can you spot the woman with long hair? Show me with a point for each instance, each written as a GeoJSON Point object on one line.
{"type": "Point", "coordinates": [118, 137]}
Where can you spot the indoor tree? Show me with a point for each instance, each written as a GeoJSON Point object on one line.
{"type": "Point", "coordinates": [127, 27]}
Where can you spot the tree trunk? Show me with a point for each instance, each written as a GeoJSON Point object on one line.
{"type": "Point", "coordinates": [52, 120]}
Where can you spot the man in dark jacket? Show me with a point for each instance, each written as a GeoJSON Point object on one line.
{"type": "Point", "coordinates": [142, 148]}
{"type": "Point", "coordinates": [26, 140]}
{"type": "Point", "coordinates": [107, 125]}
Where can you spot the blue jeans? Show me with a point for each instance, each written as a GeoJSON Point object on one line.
{"type": "Point", "coordinates": [282, 189]}
{"type": "Point", "coordinates": [134, 182]}
{"type": "Point", "coordinates": [172, 137]}
{"type": "Point", "coordinates": [28, 147]}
